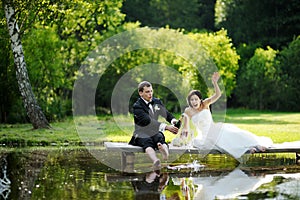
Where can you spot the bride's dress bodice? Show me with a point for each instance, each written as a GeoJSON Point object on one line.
{"type": "Point", "coordinates": [202, 121]}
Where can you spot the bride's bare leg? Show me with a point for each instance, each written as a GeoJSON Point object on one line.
{"type": "Point", "coordinates": [163, 148]}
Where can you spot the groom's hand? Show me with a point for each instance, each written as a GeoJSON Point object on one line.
{"type": "Point", "coordinates": [172, 129]}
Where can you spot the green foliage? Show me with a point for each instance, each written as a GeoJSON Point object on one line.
{"type": "Point", "coordinates": [83, 20]}
{"type": "Point", "coordinates": [259, 80]}
{"type": "Point", "coordinates": [270, 23]}
{"type": "Point", "coordinates": [216, 45]}
{"type": "Point", "coordinates": [289, 76]}
{"type": "Point", "coordinates": [192, 14]}
{"type": "Point", "coordinates": [47, 71]}
{"type": "Point", "coordinates": [134, 60]}
{"type": "Point", "coordinates": [246, 51]}
{"type": "Point", "coordinates": [79, 27]}
{"type": "Point", "coordinates": [271, 79]}
{"type": "Point", "coordinates": [58, 36]}
{"type": "Point", "coordinates": [220, 48]}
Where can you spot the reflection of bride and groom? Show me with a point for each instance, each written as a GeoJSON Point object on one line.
{"type": "Point", "coordinates": [225, 137]}
{"type": "Point", "coordinates": [209, 186]}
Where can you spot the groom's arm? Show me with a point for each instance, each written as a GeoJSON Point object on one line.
{"type": "Point", "coordinates": [167, 115]}
{"type": "Point", "coordinates": [164, 112]}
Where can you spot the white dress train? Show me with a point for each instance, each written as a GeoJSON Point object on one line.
{"type": "Point", "coordinates": [227, 138]}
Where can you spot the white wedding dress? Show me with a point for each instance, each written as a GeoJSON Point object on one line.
{"type": "Point", "coordinates": [225, 137]}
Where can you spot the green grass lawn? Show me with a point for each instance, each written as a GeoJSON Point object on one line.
{"type": "Point", "coordinates": [279, 126]}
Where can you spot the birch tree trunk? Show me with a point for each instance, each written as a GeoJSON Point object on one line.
{"type": "Point", "coordinates": [34, 112]}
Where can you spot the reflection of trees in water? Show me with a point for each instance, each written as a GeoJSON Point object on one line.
{"type": "Point", "coordinates": [23, 169]}
{"type": "Point", "coordinates": [4, 181]}
{"type": "Point", "coordinates": [32, 168]}
{"type": "Point", "coordinates": [57, 174]}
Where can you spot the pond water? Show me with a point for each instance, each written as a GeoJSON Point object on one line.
{"type": "Point", "coordinates": [65, 173]}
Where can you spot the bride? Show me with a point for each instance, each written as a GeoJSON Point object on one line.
{"type": "Point", "coordinates": [225, 137]}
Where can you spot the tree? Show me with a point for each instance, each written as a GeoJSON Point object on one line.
{"type": "Point", "coordinates": [34, 112]}
{"type": "Point", "coordinates": [220, 48]}
{"type": "Point", "coordinates": [289, 62]}
{"type": "Point", "coordinates": [56, 38]}
{"type": "Point", "coordinates": [189, 15]}
{"type": "Point", "coordinates": [270, 23]}
{"type": "Point", "coordinates": [259, 82]}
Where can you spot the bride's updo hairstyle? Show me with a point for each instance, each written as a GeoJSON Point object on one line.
{"type": "Point", "coordinates": [194, 92]}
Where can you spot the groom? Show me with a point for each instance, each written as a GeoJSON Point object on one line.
{"type": "Point", "coordinates": [148, 132]}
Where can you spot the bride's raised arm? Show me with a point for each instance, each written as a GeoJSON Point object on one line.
{"type": "Point", "coordinates": [217, 94]}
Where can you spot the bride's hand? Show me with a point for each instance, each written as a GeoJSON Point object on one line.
{"type": "Point", "coordinates": [215, 77]}
{"type": "Point", "coordinates": [184, 133]}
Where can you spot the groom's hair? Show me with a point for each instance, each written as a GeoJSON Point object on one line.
{"type": "Point", "coordinates": [143, 84]}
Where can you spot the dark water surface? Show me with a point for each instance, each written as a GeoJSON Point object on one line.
{"type": "Point", "coordinates": [66, 173]}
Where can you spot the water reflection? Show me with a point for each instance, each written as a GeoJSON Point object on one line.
{"type": "Point", "coordinates": [4, 181]}
{"type": "Point", "coordinates": [239, 184]}
{"type": "Point", "coordinates": [227, 186]}
{"type": "Point", "coordinates": [151, 186]}
{"type": "Point", "coordinates": [75, 174]}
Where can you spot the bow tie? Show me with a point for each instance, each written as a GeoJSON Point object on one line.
{"type": "Point", "coordinates": [151, 102]}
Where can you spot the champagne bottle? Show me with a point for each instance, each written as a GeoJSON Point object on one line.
{"type": "Point", "coordinates": [178, 123]}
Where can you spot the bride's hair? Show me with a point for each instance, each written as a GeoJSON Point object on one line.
{"type": "Point", "coordinates": [194, 92]}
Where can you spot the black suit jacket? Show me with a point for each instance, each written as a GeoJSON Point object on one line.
{"type": "Point", "coordinates": [146, 123]}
